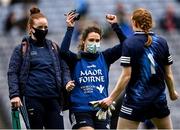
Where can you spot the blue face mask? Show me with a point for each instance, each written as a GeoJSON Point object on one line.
{"type": "Point", "coordinates": [93, 47]}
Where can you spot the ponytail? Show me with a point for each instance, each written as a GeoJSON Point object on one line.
{"type": "Point", "coordinates": [149, 40]}
{"type": "Point", "coordinates": [143, 18]}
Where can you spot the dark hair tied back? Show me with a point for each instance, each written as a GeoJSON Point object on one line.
{"type": "Point", "coordinates": [34, 10]}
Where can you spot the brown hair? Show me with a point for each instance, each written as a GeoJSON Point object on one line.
{"type": "Point", "coordinates": [143, 19]}
{"type": "Point", "coordinates": [85, 34]}
{"type": "Point", "coordinates": [35, 13]}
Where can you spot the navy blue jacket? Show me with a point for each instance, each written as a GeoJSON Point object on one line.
{"type": "Point", "coordinates": [19, 67]}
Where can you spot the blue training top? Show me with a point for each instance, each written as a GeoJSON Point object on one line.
{"type": "Point", "coordinates": [92, 80]}
{"type": "Point", "coordinates": [147, 78]}
{"type": "Point", "coordinates": [90, 71]}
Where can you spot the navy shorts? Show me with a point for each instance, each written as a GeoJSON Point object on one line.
{"type": "Point", "coordinates": [142, 112]}
{"type": "Point", "coordinates": [82, 119]}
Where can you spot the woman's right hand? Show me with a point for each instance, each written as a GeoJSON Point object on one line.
{"type": "Point", "coordinates": [106, 102]}
{"type": "Point", "coordinates": [173, 96]}
{"type": "Point", "coordinates": [70, 85]}
{"type": "Point", "coordinates": [16, 102]}
{"type": "Point", "coordinates": [111, 18]}
{"type": "Point", "coordinates": [70, 19]}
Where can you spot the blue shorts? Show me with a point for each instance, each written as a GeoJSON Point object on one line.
{"type": "Point", "coordinates": [142, 112]}
{"type": "Point", "coordinates": [82, 119]}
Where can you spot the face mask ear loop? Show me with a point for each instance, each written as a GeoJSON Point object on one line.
{"type": "Point", "coordinates": [97, 45]}
{"type": "Point", "coordinates": [95, 48]}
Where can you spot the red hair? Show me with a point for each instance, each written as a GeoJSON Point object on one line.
{"type": "Point", "coordinates": [143, 19]}
{"type": "Point", "coordinates": [35, 13]}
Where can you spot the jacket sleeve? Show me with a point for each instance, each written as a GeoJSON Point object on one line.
{"type": "Point", "coordinates": [13, 72]}
{"type": "Point", "coordinates": [114, 53]}
{"type": "Point", "coordinates": [66, 76]}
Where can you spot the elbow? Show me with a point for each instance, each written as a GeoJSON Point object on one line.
{"type": "Point", "coordinates": [9, 73]}
{"type": "Point", "coordinates": [127, 78]}
{"type": "Point", "coordinates": [63, 51]}
{"type": "Point", "coordinates": [168, 77]}
{"type": "Point", "coordinates": [123, 38]}
{"type": "Point", "coordinates": [126, 74]}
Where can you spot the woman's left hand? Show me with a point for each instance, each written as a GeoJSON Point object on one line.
{"type": "Point", "coordinates": [70, 85]}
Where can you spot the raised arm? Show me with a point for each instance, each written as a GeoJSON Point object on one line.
{"type": "Point", "coordinates": [65, 45]}
{"type": "Point", "coordinates": [68, 55]}
{"type": "Point", "coordinates": [114, 53]}
{"type": "Point", "coordinates": [112, 19]}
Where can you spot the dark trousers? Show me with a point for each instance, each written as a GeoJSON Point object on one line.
{"type": "Point", "coordinates": [44, 113]}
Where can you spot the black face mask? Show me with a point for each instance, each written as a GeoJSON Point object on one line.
{"type": "Point", "coordinates": [40, 34]}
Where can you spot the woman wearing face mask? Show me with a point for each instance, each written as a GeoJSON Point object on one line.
{"type": "Point", "coordinates": [37, 76]}
{"type": "Point", "coordinates": [89, 69]}
{"type": "Point", "coordinates": [146, 65]}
